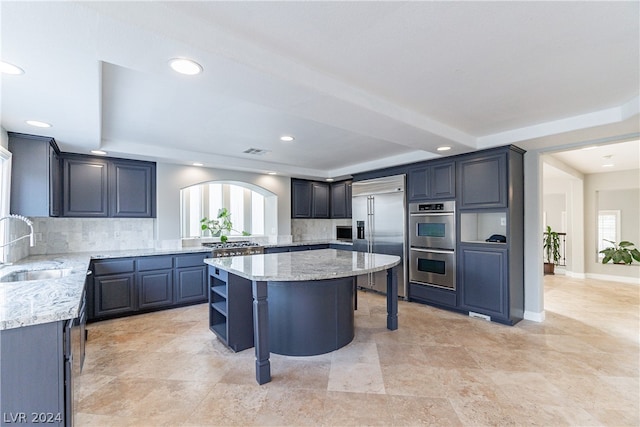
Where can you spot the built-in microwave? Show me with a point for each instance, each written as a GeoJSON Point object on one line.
{"type": "Point", "coordinates": [344, 233]}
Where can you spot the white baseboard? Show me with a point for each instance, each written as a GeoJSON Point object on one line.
{"type": "Point", "coordinates": [575, 275]}
{"type": "Point", "coordinates": [534, 316]}
{"type": "Point", "coordinates": [610, 278]}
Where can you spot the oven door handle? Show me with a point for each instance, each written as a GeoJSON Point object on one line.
{"type": "Point", "coordinates": [437, 251]}
{"type": "Point", "coordinates": [431, 214]}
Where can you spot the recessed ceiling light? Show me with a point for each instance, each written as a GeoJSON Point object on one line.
{"type": "Point", "coordinates": [197, 164]}
{"type": "Point", "coordinates": [38, 124]}
{"type": "Point", "coordinates": [14, 70]}
{"type": "Point", "coordinates": [99, 152]}
{"type": "Point", "coordinates": [272, 173]}
{"type": "Point", "coordinates": [287, 138]}
{"type": "Point", "coordinates": [607, 165]}
{"type": "Point", "coordinates": [444, 148]}
{"type": "Point", "coordinates": [185, 66]}
{"type": "Point", "coordinates": [329, 179]}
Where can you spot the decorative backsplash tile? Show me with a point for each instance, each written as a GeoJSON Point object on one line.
{"type": "Point", "coordinates": [64, 235]}
{"type": "Point", "coordinates": [315, 229]}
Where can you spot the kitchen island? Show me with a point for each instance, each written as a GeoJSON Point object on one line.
{"type": "Point", "coordinates": [311, 294]}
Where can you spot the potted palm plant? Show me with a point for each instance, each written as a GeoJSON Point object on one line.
{"type": "Point", "coordinates": [620, 253]}
{"type": "Point", "coordinates": [551, 246]}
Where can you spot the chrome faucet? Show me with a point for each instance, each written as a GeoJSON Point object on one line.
{"type": "Point", "coordinates": [30, 235]}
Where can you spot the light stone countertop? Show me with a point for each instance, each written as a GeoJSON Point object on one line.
{"type": "Point", "coordinates": [33, 302]}
{"type": "Point", "coordinates": [306, 265]}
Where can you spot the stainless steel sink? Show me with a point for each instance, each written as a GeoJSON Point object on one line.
{"type": "Point", "coordinates": [24, 275]}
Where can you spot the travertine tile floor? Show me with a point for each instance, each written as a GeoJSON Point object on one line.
{"type": "Point", "coordinates": [580, 367]}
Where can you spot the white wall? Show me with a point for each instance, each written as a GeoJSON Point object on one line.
{"type": "Point", "coordinates": [629, 204]}
{"type": "Point", "coordinates": [4, 138]}
{"type": "Point", "coordinates": [172, 178]}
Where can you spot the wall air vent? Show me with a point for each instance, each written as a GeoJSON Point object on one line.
{"type": "Point", "coordinates": [255, 151]}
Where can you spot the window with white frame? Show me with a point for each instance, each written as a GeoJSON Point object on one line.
{"type": "Point", "coordinates": [608, 229]}
{"type": "Point", "coordinates": [246, 203]}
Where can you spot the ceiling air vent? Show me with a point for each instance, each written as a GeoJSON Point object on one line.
{"type": "Point", "coordinates": [255, 151]}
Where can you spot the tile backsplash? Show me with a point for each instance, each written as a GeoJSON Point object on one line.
{"type": "Point", "coordinates": [315, 229]}
{"type": "Point", "coordinates": [63, 235]}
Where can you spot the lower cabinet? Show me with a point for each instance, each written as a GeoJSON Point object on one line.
{"type": "Point", "coordinates": [484, 284]}
{"type": "Point", "coordinates": [231, 309]}
{"type": "Point", "coordinates": [125, 286]}
{"type": "Point", "coordinates": [295, 248]}
{"type": "Point", "coordinates": [35, 365]}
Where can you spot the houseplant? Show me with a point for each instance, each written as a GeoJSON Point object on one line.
{"type": "Point", "coordinates": [220, 226]}
{"type": "Point", "coordinates": [551, 246]}
{"type": "Point", "coordinates": [620, 253]}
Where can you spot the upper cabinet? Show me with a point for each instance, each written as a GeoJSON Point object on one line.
{"type": "Point", "coordinates": [132, 187]}
{"type": "Point", "coordinates": [483, 181]}
{"type": "Point", "coordinates": [105, 187]}
{"type": "Point", "coordinates": [341, 199]}
{"type": "Point", "coordinates": [85, 186]}
{"type": "Point", "coordinates": [309, 199]}
{"type": "Point", "coordinates": [432, 180]}
{"type": "Point", "coordinates": [36, 182]}
{"type": "Point", "coordinates": [46, 182]}
{"type": "Point", "coordinates": [315, 199]}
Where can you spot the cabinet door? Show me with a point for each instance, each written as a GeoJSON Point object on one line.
{"type": "Point", "coordinates": [114, 294]}
{"type": "Point", "coordinates": [301, 198]}
{"type": "Point", "coordinates": [483, 181]}
{"type": "Point", "coordinates": [84, 187]}
{"type": "Point", "coordinates": [338, 200]}
{"type": "Point", "coordinates": [191, 284]}
{"type": "Point", "coordinates": [442, 182]}
{"type": "Point", "coordinates": [55, 183]}
{"type": "Point", "coordinates": [321, 200]}
{"type": "Point", "coordinates": [483, 281]}
{"type": "Point", "coordinates": [132, 189]}
{"type": "Point", "coordinates": [155, 288]}
{"type": "Point", "coordinates": [349, 196]}
{"type": "Point", "coordinates": [418, 183]}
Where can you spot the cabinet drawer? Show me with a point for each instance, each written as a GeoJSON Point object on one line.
{"type": "Point", "coordinates": [155, 263]}
{"type": "Point", "coordinates": [101, 268]}
{"type": "Point", "coordinates": [195, 260]}
{"type": "Point", "coordinates": [432, 295]}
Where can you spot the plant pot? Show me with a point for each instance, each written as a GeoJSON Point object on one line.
{"type": "Point", "coordinates": [549, 268]}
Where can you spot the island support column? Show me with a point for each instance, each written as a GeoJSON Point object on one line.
{"type": "Point", "coordinates": [392, 298]}
{"type": "Point", "coordinates": [261, 331]}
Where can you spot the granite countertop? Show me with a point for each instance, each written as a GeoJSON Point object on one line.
{"type": "Point", "coordinates": [306, 265]}
{"type": "Point", "coordinates": [33, 302]}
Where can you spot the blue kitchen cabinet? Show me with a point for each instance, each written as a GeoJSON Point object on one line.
{"type": "Point", "coordinates": [231, 309]}
{"type": "Point", "coordinates": [132, 189]}
{"type": "Point", "coordinates": [85, 183]}
{"type": "Point", "coordinates": [341, 199]}
{"type": "Point", "coordinates": [190, 278]}
{"type": "Point", "coordinates": [105, 187]}
{"type": "Point", "coordinates": [36, 176]}
{"type": "Point", "coordinates": [35, 370]}
{"type": "Point", "coordinates": [321, 200]}
{"type": "Point", "coordinates": [432, 181]}
{"type": "Point", "coordinates": [295, 248]}
{"type": "Point", "coordinates": [310, 199]}
{"type": "Point", "coordinates": [154, 282]}
{"type": "Point", "coordinates": [483, 181]}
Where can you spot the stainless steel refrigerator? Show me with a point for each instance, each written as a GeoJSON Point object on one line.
{"type": "Point", "coordinates": [379, 226]}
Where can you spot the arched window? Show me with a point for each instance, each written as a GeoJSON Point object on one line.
{"type": "Point", "coordinates": [253, 209]}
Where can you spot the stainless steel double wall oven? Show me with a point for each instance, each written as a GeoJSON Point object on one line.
{"type": "Point", "coordinates": [432, 241]}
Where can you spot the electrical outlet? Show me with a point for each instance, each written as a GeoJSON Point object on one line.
{"type": "Point", "coordinates": [503, 221]}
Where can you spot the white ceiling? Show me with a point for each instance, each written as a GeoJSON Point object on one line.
{"type": "Point", "coordinates": [361, 85]}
